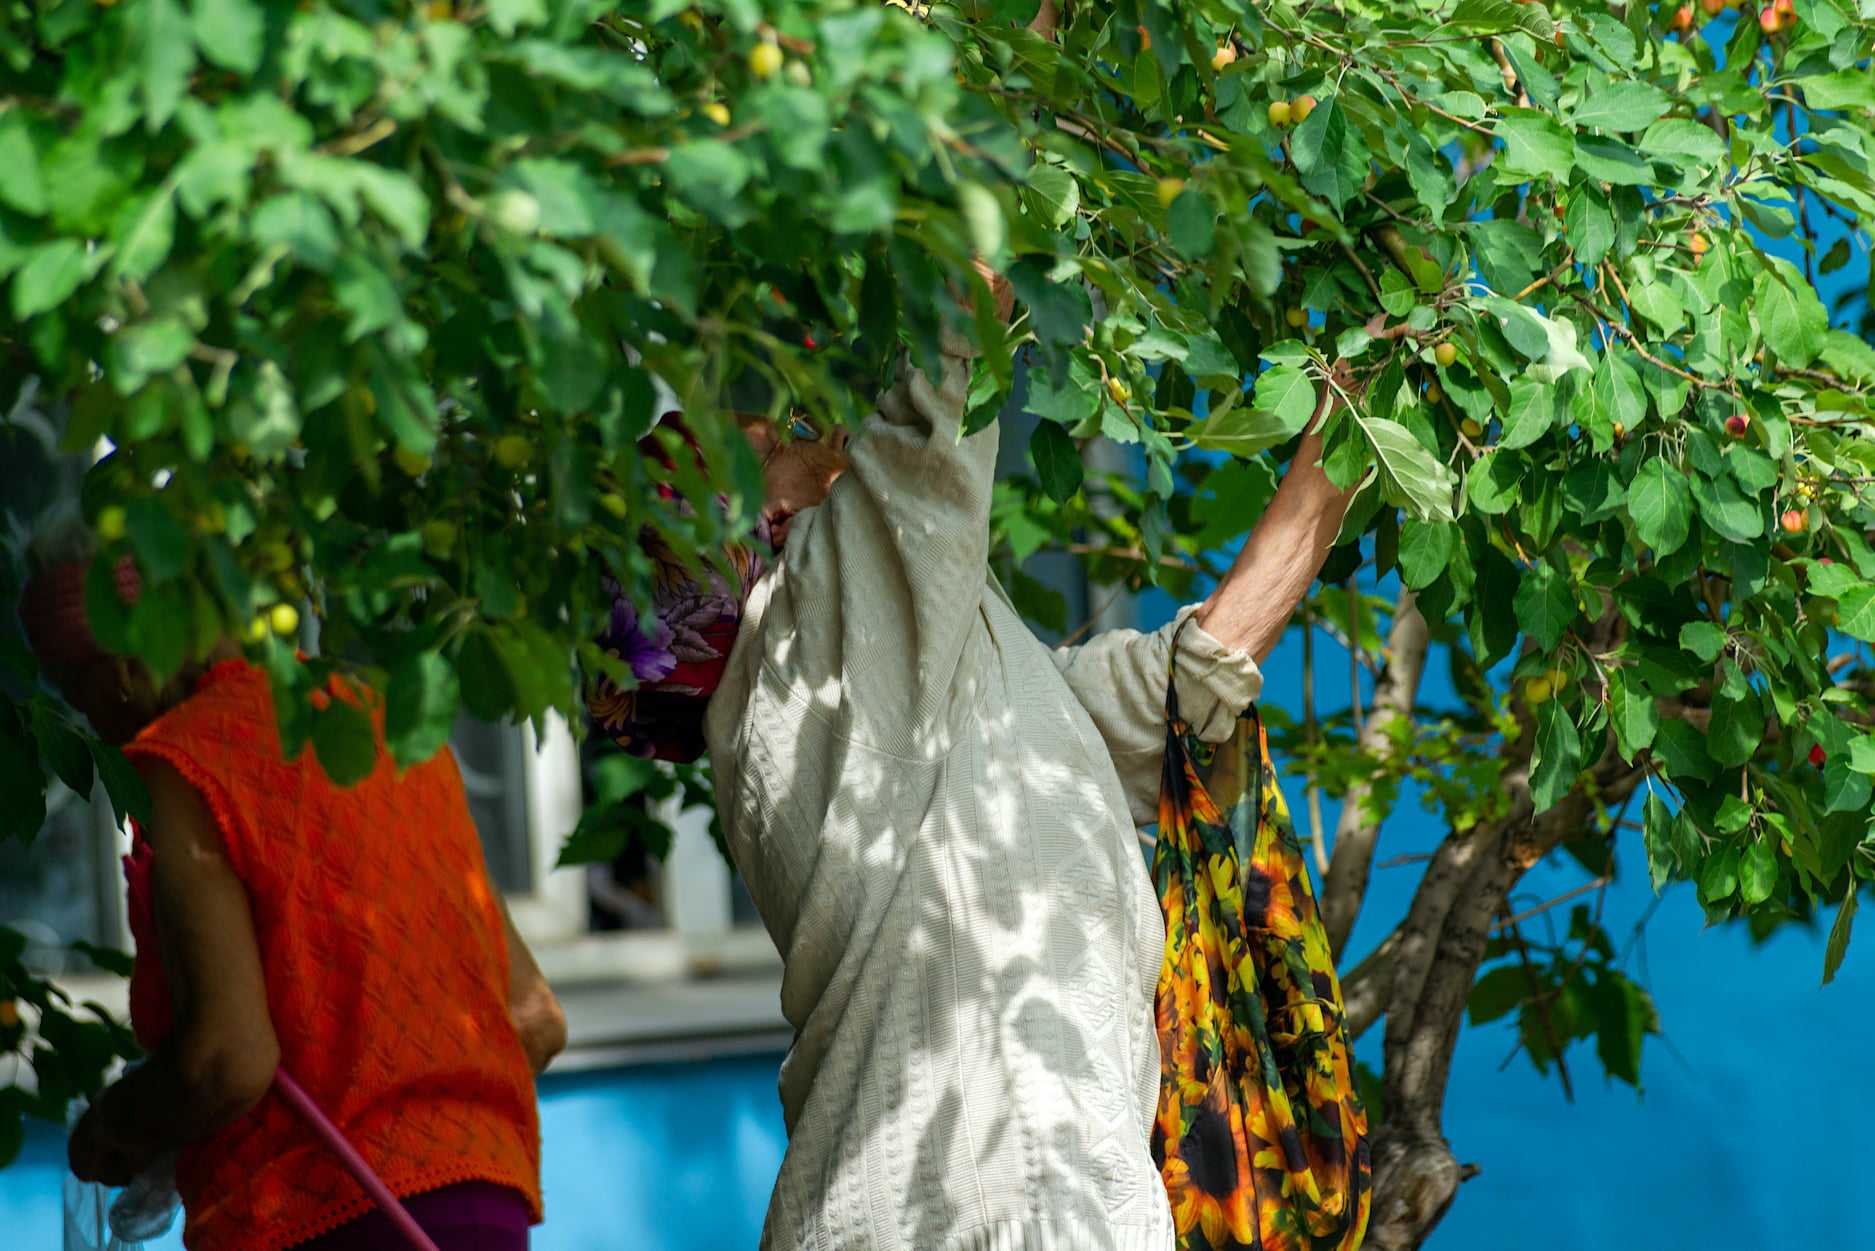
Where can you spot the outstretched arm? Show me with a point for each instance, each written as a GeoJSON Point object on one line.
{"type": "Point", "coordinates": [1251, 606]}
{"type": "Point", "coordinates": [1119, 676]}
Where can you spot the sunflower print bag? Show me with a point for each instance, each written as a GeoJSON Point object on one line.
{"type": "Point", "coordinates": [1260, 1135]}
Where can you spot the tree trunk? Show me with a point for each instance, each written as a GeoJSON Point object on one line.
{"type": "Point", "coordinates": [1415, 1180]}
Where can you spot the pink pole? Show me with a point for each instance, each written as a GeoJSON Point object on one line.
{"type": "Point", "coordinates": [354, 1163]}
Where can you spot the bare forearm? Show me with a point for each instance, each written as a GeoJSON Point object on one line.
{"type": "Point", "coordinates": [186, 1092]}
{"type": "Point", "coordinates": [1252, 605]}
{"type": "Point", "coordinates": [532, 1005]}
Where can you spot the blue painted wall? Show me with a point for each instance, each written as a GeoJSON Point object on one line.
{"type": "Point", "coordinates": [676, 1156]}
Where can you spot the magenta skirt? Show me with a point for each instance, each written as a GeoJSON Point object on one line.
{"type": "Point", "coordinates": [475, 1216]}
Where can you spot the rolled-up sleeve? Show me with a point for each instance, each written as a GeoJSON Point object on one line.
{"type": "Point", "coordinates": [1119, 677]}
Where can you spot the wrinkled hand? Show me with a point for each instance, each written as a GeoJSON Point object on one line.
{"type": "Point", "coordinates": [1000, 290]}
{"type": "Point", "coordinates": [96, 1154]}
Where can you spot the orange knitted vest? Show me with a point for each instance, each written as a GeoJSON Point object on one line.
{"type": "Point", "coordinates": [387, 975]}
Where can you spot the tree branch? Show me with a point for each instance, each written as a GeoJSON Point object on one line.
{"type": "Point", "coordinates": [1344, 886]}
{"type": "Point", "coordinates": [1441, 945]}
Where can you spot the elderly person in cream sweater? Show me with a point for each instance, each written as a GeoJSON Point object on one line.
{"type": "Point", "coordinates": [936, 817]}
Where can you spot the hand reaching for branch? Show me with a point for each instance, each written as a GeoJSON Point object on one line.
{"type": "Point", "coordinates": [1252, 604]}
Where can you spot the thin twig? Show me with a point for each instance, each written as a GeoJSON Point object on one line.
{"type": "Point", "coordinates": [1563, 898]}
{"type": "Point", "coordinates": [1548, 278]}
{"type": "Point", "coordinates": [1316, 834]}
{"type": "Point", "coordinates": [352, 145]}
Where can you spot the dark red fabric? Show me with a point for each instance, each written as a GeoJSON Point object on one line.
{"type": "Point", "coordinates": [53, 611]}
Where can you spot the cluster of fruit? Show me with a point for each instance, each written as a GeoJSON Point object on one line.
{"type": "Point", "coordinates": [1779, 15]}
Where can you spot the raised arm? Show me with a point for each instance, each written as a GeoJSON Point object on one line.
{"type": "Point", "coordinates": [882, 582]}
{"type": "Point", "coordinates": [885, 578]}
{"type": "Point", "coordinates": [1252, 604]}
{"type": "Point", "coordinates": [1120, 676]}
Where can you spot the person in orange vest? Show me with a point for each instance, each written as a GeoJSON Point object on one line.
{"type": "Point", "coordinates": [349, 937]}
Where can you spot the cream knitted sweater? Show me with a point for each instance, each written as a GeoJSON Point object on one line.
{"type": "Point", "coordinates": [936, 818]}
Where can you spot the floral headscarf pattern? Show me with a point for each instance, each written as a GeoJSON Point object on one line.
{"type": "Point", "coordinates": [678, 651]}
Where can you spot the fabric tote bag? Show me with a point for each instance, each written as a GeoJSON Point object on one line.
{"type": "Point", "coordinates": [1260, 1136]}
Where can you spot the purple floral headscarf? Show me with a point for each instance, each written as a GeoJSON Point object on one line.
{"type": "Point", "coordinates": [677, 654]}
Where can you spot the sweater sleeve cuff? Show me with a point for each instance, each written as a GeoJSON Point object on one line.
{"type": "Point", "coordinates": [1216, 684]}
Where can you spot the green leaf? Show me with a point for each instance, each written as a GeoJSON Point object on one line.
{"type": "Point", "coordinates": [1431, 175]}
{"type": "Point", "coordinates": [1845, 89]}
{"type": "Point", "coordinates": [300, 223]}
{"type": "Point", "coordinates": [116, 963]}
{"type": "Point", "coordinates": [508, 16]}
{"type": "Point", "coordinates": [1621, 106]}
{"type": "Point", "coordinates": [1657, 833]}
{"type": "Point", "coordinates": [1556, 756]}
{"type": "Point", "coordinates": [165, 57]}
{"type": "Point", "coordinates": [23, 188]}
{"type": "Point", "coordinates": [1532, 413]}
{"type": "Point", "coordinates": [1633, 713]}
{"type": "Point", "coordinates": [1494, 17]}
{"type": "Point", "coordinates": [1192, 223]}
{"type": "Point", "coordinates": [1838, 945]}
{"type": "Point", "coordinates": [1791, 316]}
{"type": "Point", "coordinates": [1425, 550]}
{"type": "Point", "coordinates": [1330, 154]}
{"type": "Point", "coordinates": [1535, 146]}
{"type": "Point", "coordinates": [1704, 639]}
{"type": "Point", "coordinates": [487, 686]}
{"type": "Point", "coordinates": [1844, 789]}
{"type": "Point", "coordinates": [711, 175]}
{"type": "Point", "coordinates": [22, 785]}
{"type": "Point", "coordinates": [1657, 303]}
{"type": "Point", "coordinates": [51, 272]}
{"type": "Point", "coordinates": [1055, 191]}
{"type": "Point", "coordinates": [1589, 226]}
{"type": "Point", "coordinates": [1757, 873]}
{"type": "Point", "coordinates": [1658, 503]}
{"type": "Point", "coordinates": [161, 544]}
{"type": "Point", "coordinates": [144, 233]}
{"type": "Point", "coordinates": [1682, 749]}
{"type": "Point", "coordinates": [63, 748]}
{"type": "Point", "coordinates": [1736, 729]}
{"type": "Point", "coordinates": [1545, 606]}
{"type": "Point", "coordinates": [231, 33]}
{"type": "Point", "coordinates": [1724, 507]}
{"type": "Point", "coordinates": [1855, 613]}
{"type": "Point", "coordinates": [130, 798]}
{"type": "Point", "coordinates": [1624, 1016]}
{"type": "Point", "coordinates": [345, 742]}
{"type": "Point", "coordinates": [1615, 394]}
{"type": "Point", "coordinates": [1059, 311]}
{"type": "Point", "coordinates": [420, 707]}
{"type": "Point", "coordinates": [150, 347]}
{"type": "Point", "coordinates": [1718, 878]}
{"type": "Point", "coordinates": [1057, 461]}
{"type": "Point", "coordinates": [1680, 139]}
{"type": "Point", "coordinates": [1410, 474]}
{"type": "Point", "coordinates": [1612, 161]}
{"type": "Point", "coordinates": [1496, 993]}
